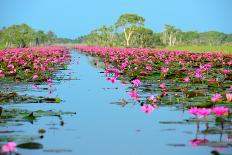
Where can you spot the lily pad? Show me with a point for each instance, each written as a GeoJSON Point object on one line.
{"type": "Point", "coordinates": [31, 145]}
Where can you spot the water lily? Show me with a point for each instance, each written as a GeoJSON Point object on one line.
{"type": "Point", "coordinates": [164, 70]}
{"type": "Point", "coordinates": [152, 99]}
{"type": "Point", "coordinates": [134, 95]}
{"type": "Point", "coordinates": [230, 88]}
{"type": "Point", "coordinates": [147, 108]}
{"type": "Point", "coordinates": [35, 87]}
{"type": "Point", "coordinates": [199, 76]}
{"type": "Point", "coordinates": [187, 79]}
{"type": "Point", "coordinates": [216, 97]}
{"type": "Point", "coordinates": [229, 97]}
{"type": "Point", "coordinates": [199, 112]}
{"type": "Point", "coordinates": [136, 82]}
{"type": "Point", "coordinates": [162, 85]}
{"type": "Point", "coordinates": [9, 147]}
{"type": "Point", "coordinates": [220, 111]}
{"type": "Point", "coordinates": [148, 67]}
{"type": "Point", "coordinates": [197, 142]}
{"type": "Point", "coordinates": [35, 76]}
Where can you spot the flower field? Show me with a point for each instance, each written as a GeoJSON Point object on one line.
{"type": "Point", "coordinates": [200, 82]}
{"type": "Point", "coordinates": [32, 64]}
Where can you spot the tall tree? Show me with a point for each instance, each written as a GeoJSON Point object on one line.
{"type": "Point", "coordinates": [143, 37]}
{"type": "Point", "coordinates": [129, 22]}
{"type": "Point", "coordinates": [170, 35]}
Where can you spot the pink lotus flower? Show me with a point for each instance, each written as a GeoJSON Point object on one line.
{"type": "Point", "coordinates": [9, 147]}
{"type": "Point", "coordinates": [230, 87]}
{"type": "Point", "coordinates": [162, 85]}
{"type": "Point", "coordinates": [220, 111]}
{"type": "Point", "coordinates": [143, 73]}
{"type": "Point", "coordinates": [225, 71]}
{"type": "Point", "coordinates": [1, 73]}
{"type": "Point", "coordinates": [212, 80]}
{"type": "Point", "coordinates": [187, 79]}
{"type": "Point", "coordinates": [148, 68]}
{"type": "Point", "coordinates": [193, 110]}
{"type": "Point", "coordinates": [148, 108]}
{"type": "Point", "coordinates": [134, 95]}
{"type": "Point", "coordinates": [136, 82]}
{"type": "Point", "coordinates": [164, 70]}
{"type": "Point", "coordinates": [35, 87]}
{"type": "Point", "coordinates": [229, 97]}
{"type": "Point", "coordinates": [197, 142]}
{"type": "Point", "coordinates": [199, 112]}
{"type": "Point", "coordinates": [152, 99]}
{"type": "Point", "coordinates": [49, 80]}
{"type": "Point", "coordinates": [199, 76]}
{"type": "Point", "coordinates": [35, 76]}
{"type": "Point", "coordinates": [216, 97]}
{"type": "Point", "coordinates": [203, 112]}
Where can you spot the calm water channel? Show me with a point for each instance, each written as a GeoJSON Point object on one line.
{"type": "Point", "coordinates": [101, 126]}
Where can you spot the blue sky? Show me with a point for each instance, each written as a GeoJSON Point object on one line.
{"type": "Point", "coordinates": [72, 18]}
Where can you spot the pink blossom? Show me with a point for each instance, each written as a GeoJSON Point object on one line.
{"type": "Point", "coordinates": [49, 80]}
{"type": "Point", "coordinates": [136, 82]}
{"type": "Point", "coordinates": [35, 76]}
{"type": "Point", "coordinates": [199, 76]}
{"type": "Point", "coordinates": [9, 147]}
{"type": "Point", "coordinates": [1, 73]}
{"type": "Point", "coordinates": [230, 87]}
{"type": "Point", "coordinates": [193, 110]}
{"type": "Point", "coordinates": [148, 68]}
{"type": "Point", "coordinates": [187, 79]}
{"type": "Point", "coordinates": [229, 97]}
{"type": "Point", "coordinates": [203, 112]}
{"type": "Point", "coordinates": [152, 99]}
{"type": "Point", "coordinates": [134, 95]}
{"type": "Point", "coordinates": [220, 111]}
{"type": "Point", "coordinates": [148, 108]}
{"type": "Point", "coordinates": [225, 71]}
{"type": "Point", "coordinates": [212, 80]}
{"type": "Point", "coordinates": [35, 87]}
{"type": "Point", "coordinates": [216, 97]}
{"type": "Point", "coordinates": [162, 85]}
{"type": "Point", "coordinates": [197, 142]}
{"type": "Point", "coordinates": [164, 70]}
{"type": "Point", "coordinates": [199, 112]}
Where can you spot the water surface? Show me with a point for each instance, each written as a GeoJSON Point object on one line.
{"type": "Point", "coordinates": [101, 127]}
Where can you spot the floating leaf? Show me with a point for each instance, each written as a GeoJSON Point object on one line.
{"type": "Point", "coordinates": [31, 145]}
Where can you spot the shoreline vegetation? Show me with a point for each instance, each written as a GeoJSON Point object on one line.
{"type": "Point", "coordinates": [128, 31]}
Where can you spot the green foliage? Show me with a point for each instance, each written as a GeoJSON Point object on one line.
{"type": "Point", "coordinates": [25, 36]}
{"type": "Point", "coordinates": [129, 20]}
{"type": "Point", "coordinates": [201, 48]}
{"type": "Point", "coordinates": [132, 33]}
{"type": "Point", "coordinates": [130, 24]}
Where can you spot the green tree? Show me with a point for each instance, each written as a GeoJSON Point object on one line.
{"type": "Point", "coordinates": [19, 35]}
{"type": "Point", "coordinates": [143, 37]}
{"type": "Point", "coordinates": [41, 37]}
{"type": "Point", "coordinates": [212, 37]}
{"type": "Point", "coordinates": [51, 37]}
{"type": "Point", "coordinates": [129, 22]}
{"type": "Point", "coordinates": [170, 35]}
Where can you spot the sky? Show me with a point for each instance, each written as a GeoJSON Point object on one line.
{"type": "Point", "coordinates": [72, 18]}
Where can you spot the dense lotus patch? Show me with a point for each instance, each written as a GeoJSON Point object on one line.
{"type": "Point", "coordinates": [32, 64]}
{"type": "Point", "coordinates": [200, 80]}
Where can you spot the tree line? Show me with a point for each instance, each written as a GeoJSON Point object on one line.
{"type": "Point", "coordinates": [25, 36]}
{"type": "Point", "coordinates": [129, 31]}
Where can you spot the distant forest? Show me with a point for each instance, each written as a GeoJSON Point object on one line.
{"type": "Point", "coordinates": [128, 31]}
{"type": "Point", "coordinates": [25, 36]}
